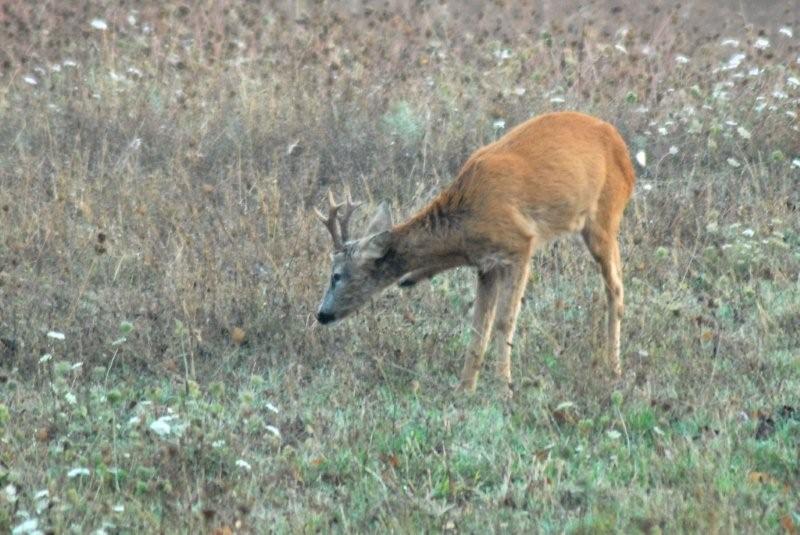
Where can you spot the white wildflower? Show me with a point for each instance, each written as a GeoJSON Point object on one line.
{"type": "Point", "coordinates": [729, 122]}
{"type": "Point", "coordinates": [779, 94]}
{"type": "Point", "coordinates": [503, 54]}
{"type": "Point", "coordinates": [132, 19]}
{"type": "Point", "coordinates": [168, 425]}
{"type": "Point", "coordinates": [673, 150]}
{"type": "Point", "coordinates": [734, 61]}
{"type": "Point", "coordinates": [641, 158]}
{"type": "Point", "coordinates": [730, 42]}
{"type": "Point", "coordinates": [99, 24]}
{"type": "Point", "coordinates": [647, 187]}
{"type": "Point", "coordinates": [733, 162]}
{"type": "Point", "coordinates": [119, 508]}
{"type": "Point", "coordinates": [786, 31]}
{"type": "Point", "coordinates": [755, 71]}
{"type": "Point", "coordinates": [657, 430]}
{"type": "Point", "coordinates": [161, 427]}
{"type": "Point", "coordinates": [134, 421]}
{"type": "Point", "coordinates": [45, 358]}
{"type": "Point", "coordinates": [557, 100]}
{"type": "Point", "coordinates": [30, 80]}
{"type": "Point", "coordinates": [662, 130]}
{"type": "Point", "coordinates": [519, 91]}
{"type": "Point", "coordinates": [42, 499]}
{"type": "Point", "coordinates": [272, 407]}
{"type": "Point", "coordinates": [71, 399]}
{"type": "Point", "coordinates": [613, 434]}
{"type": "Point", "coordinates": [681, 59]}
{"type": "Point", "coordinates": [10, 492]}
{"type": "Point", "coordinates": [748, 232]}
{"type": "Point", "coordinates": [69, 63]}
{"type": "Point", "coordinates": [29, 527]}
{"type": "Point", "coordinates": [75, 472]}
{"type": "Point", "coordinates": [793, 81]}
{"type": "Point", "coordinates": [274, 430]}
{"type": "Point", "coordinates": [218, 444]}
{"type": "Point", "coordinates": [743, 132]}
{"type": "Point", "coordinates": [498, 124]}
{"type": "Point", "coordinates": [796, 163]}
{"type": "Point", "coordinates": [55, 335]}
{"type": "Point", "coordinates": [244, 465]}
{"type": "Point", "coordinates": [762, 43]}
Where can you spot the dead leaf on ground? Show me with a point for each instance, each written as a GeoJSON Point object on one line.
{"type": "Point", "coordinates": [762, 477]}
{"type": "Point", "coordinates": [391, 460]}
{"type": "Point", "coordinates": [44, 433]}
{"type": "Point", "coordinates": [787, 523]}
{"type": "Point", "coordinates": [238, 335]}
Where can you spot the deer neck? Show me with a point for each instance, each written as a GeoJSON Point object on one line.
{"type": "Point", "coordinates": [430, 239]}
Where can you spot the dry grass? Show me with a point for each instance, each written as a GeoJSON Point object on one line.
{"type": "Point", "coordinates": [156, 185]}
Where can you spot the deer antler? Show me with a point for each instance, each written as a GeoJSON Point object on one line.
{"type": "Point", "coordinates": [344, 221]}
{"type": "Point", "coordinates": [341, 233]}
{"type": "Point", "coordinates": [330, 220]}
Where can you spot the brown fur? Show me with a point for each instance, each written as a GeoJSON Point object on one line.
{"type": "Point", "coordinates": [554, 174]}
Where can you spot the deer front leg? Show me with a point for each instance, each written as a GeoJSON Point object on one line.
{"type": "Point", "coordinates": [511, 290]}
{"type": "Point", "coordinates": [485, 304]}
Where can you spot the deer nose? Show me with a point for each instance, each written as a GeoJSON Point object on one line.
{"type": "Point", "coordinates": [325, 317]}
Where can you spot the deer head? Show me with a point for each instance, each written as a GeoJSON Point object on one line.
{"type": "Point", "coordinates": [358, 269]}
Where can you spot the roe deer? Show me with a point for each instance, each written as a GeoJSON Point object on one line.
{"type": "Point", "coordinates": [556, 173]}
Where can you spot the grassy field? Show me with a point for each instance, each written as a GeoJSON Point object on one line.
{"type": "Point", "coordinates": [160, 264]}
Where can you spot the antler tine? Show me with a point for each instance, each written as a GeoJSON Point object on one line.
{"type": "Point", "coordinates": [330, 221]}
{"type": "Point", "coordinates": [344, 221]}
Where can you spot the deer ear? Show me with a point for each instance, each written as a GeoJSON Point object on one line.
{"type": "Point", "coordinates": [381, 221]}
{"type": "Point", "coordinates": [376, 245]}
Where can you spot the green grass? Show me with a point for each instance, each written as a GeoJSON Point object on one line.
{"type": "Point", "coordinates": [386, 456]}
{"type": "Point", "coordinates": [160, 367]}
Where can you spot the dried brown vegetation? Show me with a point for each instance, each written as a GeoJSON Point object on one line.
{"type": "Point", "coordinates": [159, 163]}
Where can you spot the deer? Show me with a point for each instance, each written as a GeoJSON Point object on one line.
{"type": "Point", "coordinates": [556, 174]}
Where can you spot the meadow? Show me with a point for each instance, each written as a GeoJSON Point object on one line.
{"type": "Point", "coordinates": [160, 264]}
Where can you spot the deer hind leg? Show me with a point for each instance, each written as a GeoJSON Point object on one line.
{"type": "Point", "coordinates": [485, 304]}
{"type": "Point", "coordinates": [511, 290]}
{"type": "Point", "coordinates": [605, 250]}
